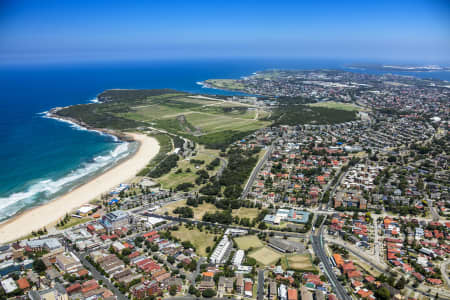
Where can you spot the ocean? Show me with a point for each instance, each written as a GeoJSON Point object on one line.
{"type": "Point", "coordinates": [42, 158]}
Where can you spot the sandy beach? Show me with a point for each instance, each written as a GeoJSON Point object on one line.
{"type": "Point", "coordinates": [36, 218]}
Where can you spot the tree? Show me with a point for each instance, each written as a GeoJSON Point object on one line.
{"type": "Point", "coordinates": [39, 266]}
{"type": "Point", "coordinates": [126, 251]}
{"type": "Point", "coordinates": [173, 290]}
{"type": "Point", "coordinates": [192, 290]}
{"type": "Point", "coordinates": [208, 293]}
{"type": "Point", "coordinates": [383, 294]}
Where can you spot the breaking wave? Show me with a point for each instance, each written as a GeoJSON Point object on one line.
{"type": "Point", "coordinates": [49, 188]}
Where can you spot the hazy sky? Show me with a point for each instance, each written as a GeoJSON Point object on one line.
{"type": "Point", "coordinates": [97, 30]}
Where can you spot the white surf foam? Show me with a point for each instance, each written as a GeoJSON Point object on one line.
{"type": "Point", "coordinates": [48, 188]}
{"type": "Point", "coordinates": [76, 126]}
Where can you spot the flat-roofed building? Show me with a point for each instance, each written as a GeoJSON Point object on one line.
{"type": "Point", "coordinates": [238, 258]}
{"type": "Point", "coordinates": [56, 293]}
{"type": "Point", "coordinates": [51, 244]}
{"type": "Point", "coordinates": [68, 262]}
{"type": "Point", "coordinates": [9, 285]}
{"type": "Point", "coordinates": [221, 251]}
{"type": "Point", "coordinates": [115, 219]}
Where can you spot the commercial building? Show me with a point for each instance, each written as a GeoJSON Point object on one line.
{"type": "Point", "coordinates": [68, 262]}
{"type": "Point", "coordinates": [56, 293]}
{"type": "Point", "coordinates": [282, 292]}
{"type": "Point", "coordinates": [238, 258]}
{"type": "Point", "coordinates": [9, 285]}
{"type": "Point", "coordinates": [289, 215]}
{"type": "Point", "coordinates": [115, 219]}
{"type": "Point", "coordinates": [50, 244]}
{"type": "Point", "coordinates": [222, 251]}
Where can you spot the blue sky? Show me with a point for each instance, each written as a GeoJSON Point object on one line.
{"type": "Point", "coordinates": [113, 30]}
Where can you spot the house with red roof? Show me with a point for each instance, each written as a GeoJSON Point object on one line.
{"type": "Point", "coordinates": [434, 281]}
{"type": "Point", "coordinates": [292, 294]}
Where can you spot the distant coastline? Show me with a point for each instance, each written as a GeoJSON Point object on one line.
{"type": "Point", "coordinates": [400, 68]}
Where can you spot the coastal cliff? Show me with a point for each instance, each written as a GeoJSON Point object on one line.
{"type": "Point", "coordinates": [54, 113]}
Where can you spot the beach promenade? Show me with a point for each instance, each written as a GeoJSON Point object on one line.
{"type": "Point", "coordinates": [49, 213]}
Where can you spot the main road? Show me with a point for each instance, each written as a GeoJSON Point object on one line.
{"type": "Point", "coordinates": [317, 243]}
{"type": "Point", "coordinates": [255, 172]}
{"type": "Point", "coordinates": [260, 295]}
{"type": "Point", "coordinates": [384, 268]}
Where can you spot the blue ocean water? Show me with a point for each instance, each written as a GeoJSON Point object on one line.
{"type": "Point", "coordinates": [41, 158]}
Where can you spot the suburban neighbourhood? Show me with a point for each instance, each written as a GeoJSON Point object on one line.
{"type": "Point", "coordinates": [354, 206]}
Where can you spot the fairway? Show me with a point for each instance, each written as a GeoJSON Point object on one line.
{"type": "Point", "coordinates": [300, 262]}
{"type": "Point", "coordinates": [337, 105]}
{"type": "Point", "coordinates": [202, 115]}
{"type": "Point", "coordinates": [265, 255]}
{"type": "Point", "coordinates": [213, 122]}
{"type": "Point", "coordinates": [226, 84]}
{"type": "Point", "coordinates": [248, 241]}
{"type": "Point", "coordinates": [199, 239]}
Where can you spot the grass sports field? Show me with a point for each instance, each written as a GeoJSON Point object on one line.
{"type": "Point", "coordinates": [300, 262]}
{"type": "Point", "coordinates": [337, 105]}
{"type": "Point", "coordinates": [200, 239]}
{"type": "Point", "coordinates": [248, 241]}
{"type": "Point", "coordinates": [265, 255]}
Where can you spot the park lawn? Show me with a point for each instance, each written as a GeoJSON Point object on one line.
{"type": "Point", "coordinates": [172, 179]}
{"type": "Point", "coordinates": [200, 239]}
{"type": "Point", "coordinates": [300, 262]}
{"type": "Point", "coordinates": [245, 212]}
{"type": "Point", "coordinates": [200, 210]}
{"type": "Point", "coordinates": [75, 221]}
{"type": "Point", "coordinates": [337, 105]}
{"type": "Point", "coordinates": [170, 207]}
{"type": "Point", "coordinates": [248, 241]}
{"type": "Point", "coordinates": [265, 255]}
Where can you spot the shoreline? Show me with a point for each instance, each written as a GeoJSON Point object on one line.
{"type": "Point", "coordinates": [37, 217]}
{"type": "Point", "coordinates": [52, 114]}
